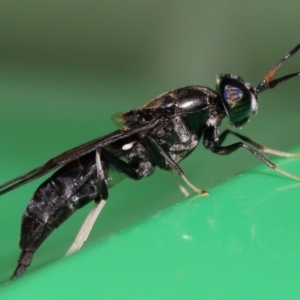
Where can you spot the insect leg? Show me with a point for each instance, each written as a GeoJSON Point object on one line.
{"type": "Point", "coordinates": [95, 211]}
{"type": "Point", "coordinates": [86, 227]}
{"type": "Point", "coordinates": [215, 147]}
{"type": "Point", "coordinates": [102, 154]}
{"type": "Point", "coordinates": [183, 190]}
{"type": "Point", "coordinates": [258, 146]}
{"type": "Point", "coordinates": [53, 203]}
{"type": "Point", "coordinates": [169, 160]}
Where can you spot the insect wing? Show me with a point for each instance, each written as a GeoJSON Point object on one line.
{"type": "Point", "coordinates": [71, 155]}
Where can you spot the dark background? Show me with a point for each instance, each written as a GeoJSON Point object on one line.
{"type": "Point", "coordinates": [67, 66]}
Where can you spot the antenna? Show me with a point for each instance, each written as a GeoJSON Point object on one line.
{"type": "Point", "coordinates": [268, 83]}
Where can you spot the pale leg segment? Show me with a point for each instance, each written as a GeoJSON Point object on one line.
{"type": "Point", "coordinates": [91, 217]}
{"type": "Point", "coordinates": [193, 187]}
{"type": "Point", "coordinates": [86, 227]}
{"type": "Point", "coordinates": [279, 153]}
{"type": "Point", "coordinates": [257, 145]}
{"type": "Point", "coordinates": [183, 190]}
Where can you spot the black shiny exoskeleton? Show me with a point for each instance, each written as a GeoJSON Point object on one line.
{"type": "Point", "coordinates": [160, 134]}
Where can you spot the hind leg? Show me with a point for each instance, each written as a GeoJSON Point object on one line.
{"type": "Point", "coordinates": [95, 211]}
{"type": "Point", "coordinates": [141, 169]}
{"type": "Point", "coordinates": [53, 203]}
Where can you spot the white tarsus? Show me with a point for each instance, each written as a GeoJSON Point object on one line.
{"type": "Point", "coordinates": [91, 217]}
{"type": "Point", "coordinates": [86, 227]}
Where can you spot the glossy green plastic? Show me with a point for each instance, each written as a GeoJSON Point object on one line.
{"type": "Point", "coordinates": [240, 242]}
{"type": "Point", "coordinates": [65, 69]}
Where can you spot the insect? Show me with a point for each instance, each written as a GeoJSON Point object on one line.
{"type": "Point", "coordinates": [160, 134]}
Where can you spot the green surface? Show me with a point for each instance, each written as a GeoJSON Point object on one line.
{"type": "Point", "coordinates": [67, 66]}
{"type": "Point", "coordinates": [240, 242]}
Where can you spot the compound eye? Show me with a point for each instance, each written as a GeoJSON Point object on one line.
{"type": "Point", "coordinates": [232, 96]}
{"type": "Point", "coordinates": [236, 99]}
{"type": "Point", "coordinates": [237, 103]}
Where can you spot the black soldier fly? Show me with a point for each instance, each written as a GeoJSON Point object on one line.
{"type": "Point", "coordinates": [160, 134]}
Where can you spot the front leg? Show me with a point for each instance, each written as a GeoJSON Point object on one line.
{"type": "Point", "coordinates": [258, 146]}
{"type": "Point", "coordinates": [213, 141]}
